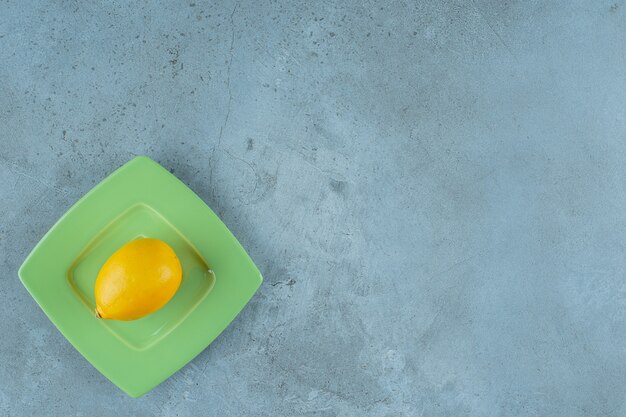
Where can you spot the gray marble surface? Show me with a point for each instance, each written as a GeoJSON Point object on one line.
{"type": "Point", "coordinates": [435, 193]}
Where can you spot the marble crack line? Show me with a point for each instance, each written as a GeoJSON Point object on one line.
{"type": "Point", "coordinates": [451, 267]}
{"type": "Point", "coordinates": [12, 167]}
{"type": "Point", "coordinates": [229, 71]}
{"type": "Point", "coordinates": [230, 93]}
{"type": "Point", "coordinates": [482, 15]}
{"type": "Point", "coordinates": [256, 174]}
{"type": "Point", "coordinates": [288, 282]}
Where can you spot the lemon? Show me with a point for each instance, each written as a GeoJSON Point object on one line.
{"type": "Point", "coordinates": [138, 279]}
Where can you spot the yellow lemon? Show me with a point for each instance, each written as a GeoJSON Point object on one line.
{"type": "Point", "coordinates": [138, 279]}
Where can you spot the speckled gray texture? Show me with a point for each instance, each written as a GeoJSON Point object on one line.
{"type": "Point", "coordinates": [435, 193]}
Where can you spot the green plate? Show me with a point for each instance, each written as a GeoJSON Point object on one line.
{"type": "Point", "coordinates": [141, 199]}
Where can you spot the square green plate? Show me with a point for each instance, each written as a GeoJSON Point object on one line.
{"type": "Point", "coordinates": [141, 199]}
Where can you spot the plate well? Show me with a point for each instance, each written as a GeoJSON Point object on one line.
{"type": "Point", "coordinates": [136, 222]}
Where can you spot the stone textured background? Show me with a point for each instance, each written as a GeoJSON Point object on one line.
{"type": "Point", "coordinates": [435, 193]}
